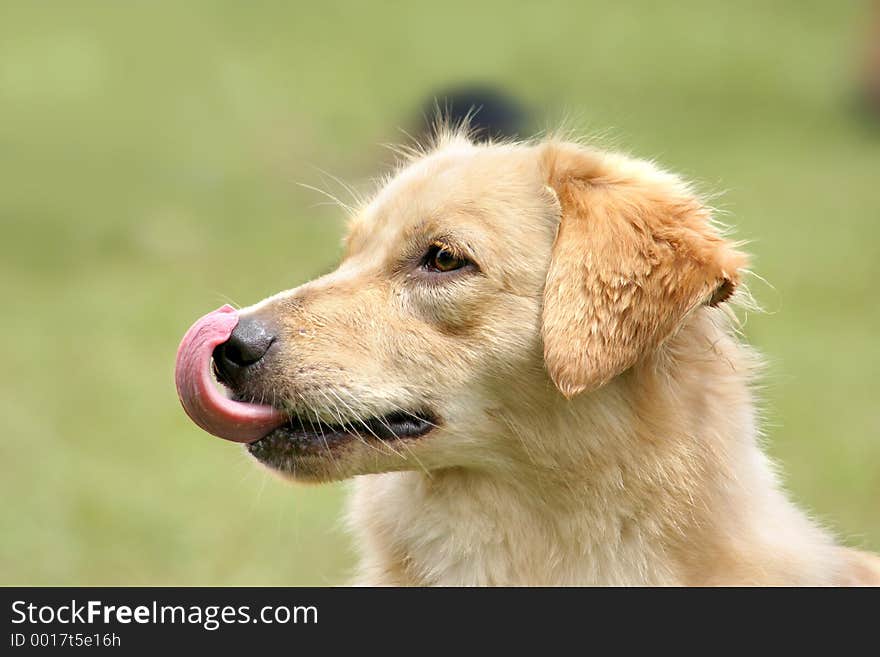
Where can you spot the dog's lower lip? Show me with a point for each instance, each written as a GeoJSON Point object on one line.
{"type": "Point", "coordinates": [399, 425]}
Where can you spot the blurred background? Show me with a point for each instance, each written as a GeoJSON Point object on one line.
{"type": "Point", "coordinates": [149, 155]}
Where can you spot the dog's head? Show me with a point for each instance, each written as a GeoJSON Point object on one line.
{"type": "Point", "coordinates": [479, 282]}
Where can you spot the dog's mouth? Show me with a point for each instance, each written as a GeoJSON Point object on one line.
{"type": "Point", "coordinates": [305, 435]}
{"type": "Point", "coordinates": [265, 427]}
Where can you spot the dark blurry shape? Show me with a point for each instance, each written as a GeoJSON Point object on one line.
{"type": "Point", "coordinates": [491, 113]}
{"type": "Point", "coordinates": [870, 85]}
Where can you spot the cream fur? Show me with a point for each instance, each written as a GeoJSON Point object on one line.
{"type": "Point", "coordinates": [598, 426]}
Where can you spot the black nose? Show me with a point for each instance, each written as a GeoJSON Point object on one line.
{"type": "Point", "coordinates": [246, 346]}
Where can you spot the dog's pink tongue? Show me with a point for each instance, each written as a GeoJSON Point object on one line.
{"type": "Point", "coordinates": [201, 399]}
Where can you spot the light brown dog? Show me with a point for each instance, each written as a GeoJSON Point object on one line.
{"type": "Point", "coordinates": [526, 360]}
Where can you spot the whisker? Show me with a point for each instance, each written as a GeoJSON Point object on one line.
{"type": "Point", "coordinates": [393, 433]}
{"type": "Point", "coordinates": [319, 428]}
{"type": "Point", "coordinates": [356, 196]}
{"type": "Point", "coordinates": [324, 440]}
{"type": "Point", "coordinates": [411, 414]}
{"type": "Point", "coordinates": [342, 204]}
{"type": "Point", "coordinates": [366, 426]}
{"type": "Point", "coordinates": [228, 300]}
{"type": "Point", "coordinates": [339, 418]}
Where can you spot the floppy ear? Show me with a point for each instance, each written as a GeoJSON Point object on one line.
{"type": "Point", "coordinates": [634, 254]}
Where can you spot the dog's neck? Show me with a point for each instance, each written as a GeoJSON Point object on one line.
{"type": "Point", "coordinates": [631, 486]}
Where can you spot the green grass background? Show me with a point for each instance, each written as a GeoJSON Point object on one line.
{"type": "Point", "coordinates": [148, 160]}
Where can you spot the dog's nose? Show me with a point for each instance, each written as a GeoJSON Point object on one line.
{"type": "Point", "coordinates": [249, 342]}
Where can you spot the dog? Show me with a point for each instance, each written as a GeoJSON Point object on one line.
{"type": "Point", "coordinates": [528, 362]}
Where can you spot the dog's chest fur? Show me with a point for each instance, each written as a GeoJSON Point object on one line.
{"type": "Point", "coordinates": [467, 532]}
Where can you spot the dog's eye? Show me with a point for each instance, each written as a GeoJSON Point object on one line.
{"type": "Point", "coordinates": [440, 258]}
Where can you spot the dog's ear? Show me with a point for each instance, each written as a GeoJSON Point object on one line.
{"type": "Point", "coordinates": [635, 252]}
